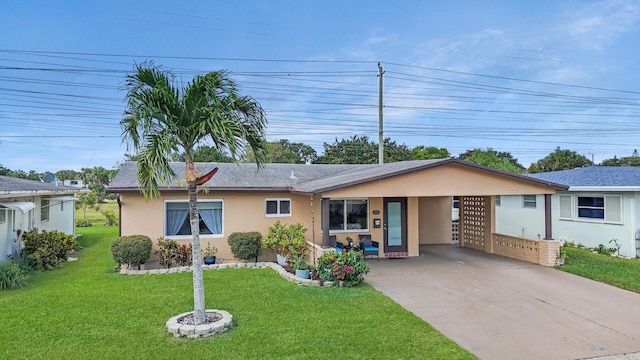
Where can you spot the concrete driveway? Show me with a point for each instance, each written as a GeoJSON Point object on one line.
{"type": "Point", "coordinates": [498, 308]}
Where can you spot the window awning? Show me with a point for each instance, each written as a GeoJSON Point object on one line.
{"type": "Point", "coordinates": [23, 206]}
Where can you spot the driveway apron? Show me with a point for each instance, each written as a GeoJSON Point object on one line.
{"type": "Point", "coordinates": [499, 308]}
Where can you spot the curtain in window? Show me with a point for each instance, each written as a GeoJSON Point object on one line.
{"type": "Point", "coordinates": [213, 219]}
{"type": "Point", "coordinates": [175, 219]}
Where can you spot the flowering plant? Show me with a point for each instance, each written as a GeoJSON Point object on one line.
{"type": "Point", "coordinates": [347, 267]}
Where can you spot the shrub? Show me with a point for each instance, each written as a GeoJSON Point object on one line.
{"type": "Point", "coordinates": [83, 223]}
{"type": "Point", "coordinates": [245, 245]}
{"type": "Point", "coordinates": [347, 267]}
{"type": "Point", "coordinates": [184, 255]}
{"type": "Point", "coordinates": [110, 216]}
{"type": "Point", "coordinates": [132, 250]}
{"type": "Point", "coordinates": [46, 249]}
{"type": "Point", "coordinates": [166, 251]}
{"type": "Point", "coordinates": [601, 249]}
{"type": "Point", "coordinates": [12, 276]}
{"type": "Point", "coordinates": [282, 239]}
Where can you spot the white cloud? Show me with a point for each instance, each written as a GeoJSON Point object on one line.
{"type": "Point", "coordinates": [594, 26]}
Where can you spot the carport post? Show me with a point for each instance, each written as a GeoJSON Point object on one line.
{"type": "Point", "coordinates": [324, 209]}
{"type": "Point", "coordinates": [547, 217]}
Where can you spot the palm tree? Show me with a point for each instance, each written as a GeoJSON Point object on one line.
{"type": "Point", "coordinates": [162, 118]}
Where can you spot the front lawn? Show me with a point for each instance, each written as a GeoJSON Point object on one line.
{"type": "Point", "coordinates": [84, 311]}
{"type": "Point", "coordinates": [622, 273]}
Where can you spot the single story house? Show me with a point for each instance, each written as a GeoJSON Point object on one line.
{"type": "Point", "coordinates": [602, 203]}
{"type": "Point", "coordinates": [27, 205]}
{"type": "Point", "coordinates": [402, 205]}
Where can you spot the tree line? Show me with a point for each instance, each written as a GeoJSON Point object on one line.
{"type": "Point", "coordinates": [353, 150]}
{"type": "Point", "coordinates": [362, 150]}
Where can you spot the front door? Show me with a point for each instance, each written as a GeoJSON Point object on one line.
{"type": "Point", "coordinates": [395, 225]}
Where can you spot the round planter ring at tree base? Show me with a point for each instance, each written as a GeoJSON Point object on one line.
{"type": "Point", "coordinates": [182, 325]}
{"type": "Point", "coordinates": [210, 260]}
{"type": "Point", "coordinates": [303, 274]}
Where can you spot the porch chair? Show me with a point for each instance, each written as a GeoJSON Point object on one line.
{"type": "Point", "coordinates": [335, 244]}
{"type": "Point", "coordinates": [368, 246]}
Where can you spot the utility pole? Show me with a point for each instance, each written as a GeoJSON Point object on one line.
{"type": "Point", "coordinates": [380, 117]}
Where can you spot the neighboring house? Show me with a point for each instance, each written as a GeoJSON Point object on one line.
{"type": "Point", "coordinates": [32, 205]}
{"type": "Point", "coordinates": [401, 205]}
{"type": "Point", "coordinates": [74, 183]}
{"type": "Point", "coordinates": [601, 204]}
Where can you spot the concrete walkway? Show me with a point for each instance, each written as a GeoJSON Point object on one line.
{"type": "Point", "coordinates": [498, 308]}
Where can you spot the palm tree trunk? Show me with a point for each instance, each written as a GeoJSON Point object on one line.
{"type": "Point", "coordinates": [199, 315]}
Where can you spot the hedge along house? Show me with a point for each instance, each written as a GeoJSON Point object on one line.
{"type": "Point", "coordinates": [27, 205]}
{"type": "Point", "coordinates": [402, 205]}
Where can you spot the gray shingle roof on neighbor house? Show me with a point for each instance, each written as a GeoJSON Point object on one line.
{"type": "Point", "coordinates": [596, 176]}
{"type": "Point", "coordinates": [10, 186]}
{"type": "Point", "coordinates": [300, 178]}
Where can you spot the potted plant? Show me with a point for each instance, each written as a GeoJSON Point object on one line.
{"type": "Point", "coordinates": [283, 239]}
{"type": "Point", "coordinates": [210, 254]}
{"type": "Point", "coordinates": [301, 267]}
{"type": "Point", "coordinates": [349, 241]}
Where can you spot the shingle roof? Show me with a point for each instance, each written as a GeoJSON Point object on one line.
{"type": "Point", "coordinates": [605, 176]}
{"type": "Point", "coordinates": [16, 186]}
{"type": "Point", "coordinates": [301, 178]}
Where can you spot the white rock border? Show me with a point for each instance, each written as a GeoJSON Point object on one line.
{"type": "Point", "coordinates": [200, 331]}
{"type": "Point", "coordinates": [258, 265]}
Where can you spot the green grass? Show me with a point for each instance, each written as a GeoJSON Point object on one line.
{"type": "Point", "coordinates": [83, 311]}
{"type": "Point", "coordinates": [94, 215]}
{"type": "Point", "coordinates": [622, 273]}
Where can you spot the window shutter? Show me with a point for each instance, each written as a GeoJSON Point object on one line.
{"type": "Point", "coordinates": [613, 208]}
{"type": "Point", "coordinates": [566, 210]}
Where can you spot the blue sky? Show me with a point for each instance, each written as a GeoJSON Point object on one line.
{"type": "Point", "coordinates": [518, 76]}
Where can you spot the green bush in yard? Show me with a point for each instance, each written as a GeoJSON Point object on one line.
{"type": "Point", "coordinates": [45, 250]}
{"type": "Point", "coordinates": [132, 250]}
{"type": "Point", "coordinates": [83, 223]}
{"type": "Point", "coordinates": [12, 276]}
{"type": "Point", "coordinates": [245, 245]}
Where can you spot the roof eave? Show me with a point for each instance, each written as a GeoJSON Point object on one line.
{"type": "Point", "coordinates": [320, 191]}
{"type": "Point", "coordinates": [39, 192]}
{"type": "Point", "coordinates": [169, 189]}
{"type": "Point", "coordinates": [605, 188]}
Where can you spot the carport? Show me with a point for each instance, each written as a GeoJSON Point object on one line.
{"type": "Point", "coordinates": [409, 205]}
{"type": "Point", "coordinates": [500, 308]}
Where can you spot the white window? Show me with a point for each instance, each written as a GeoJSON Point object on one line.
{"type": "Point", "coordinates": [349, 214]}
{"type": "Point", "coordinates": [599, 207]}
{"type": "Point", "coordinates": [3, 216]}
{"type": "Point", "coordinates": [44, 210]}
{"type": "Point", "coordinates": [498, 199]}
{"type": "Point", "coordinates": [529, 201]}
{"type": "Point", "coordinates": [277, 207]}
{"type": "Point", "coordinates": [591, 207]}
{"type": "Point", "coordinates": [177, 218]}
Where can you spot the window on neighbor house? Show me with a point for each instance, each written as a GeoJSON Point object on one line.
{"type": "Point", "coordinates": [348, 214]}
{"type": "Point", "coordinates": [591, 207]}
{"type": "Point", "coordinates": [498, 199]}
{"type": "Point", "coordinates": [177, 218]}
{"type": "Point", "coordinates": [44, 210]}
{"type": "Point", "coordinates": [3, 216]}
{"type": "Point", "coordinates": [456, 202]}
{"type": "Point", "coordinates": [278, 207]}
{"type": "Point", "coordinates": [529, 201]}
